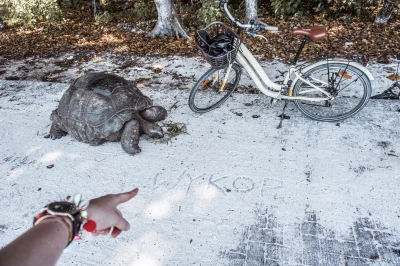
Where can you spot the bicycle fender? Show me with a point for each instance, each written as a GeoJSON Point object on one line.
{"type": "Point", "coordinates": [354, 64]}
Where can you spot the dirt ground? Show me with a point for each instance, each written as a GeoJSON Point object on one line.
{"type": "Point", "coordinates": [234, 190]}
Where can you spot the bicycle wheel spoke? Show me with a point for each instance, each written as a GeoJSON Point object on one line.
{"type": "Point", "coordinates": [348, 85]}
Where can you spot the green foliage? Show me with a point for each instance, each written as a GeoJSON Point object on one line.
{"type": "Point", "coordinates": [208, 11]}
{"type": "Point", "coordinates": [192, 12]}
{"type": "Point", "coordinates": [145, 10]}
{"type": "Point", "coordinates": [330, 7]}
{"type": "Point", "coordinates": [286, 7]}
{"type": "Point", "coordinates": [353, 7]}
{"type": "Point", "coordinates": [30, 11]}
{"type": "Point", "coordinates": [103, 19]}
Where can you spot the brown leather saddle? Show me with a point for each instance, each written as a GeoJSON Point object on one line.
{"type": "Point", "coordinates": [314, 33]}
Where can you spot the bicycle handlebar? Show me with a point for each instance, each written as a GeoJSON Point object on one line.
{"type": "Point", "coordinates": [260, 26]}
{"type": "Point", "coordinates": [264, 26]}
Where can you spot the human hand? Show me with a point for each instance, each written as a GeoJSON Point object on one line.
{"type": "Point", "coordinates": [104, 212]}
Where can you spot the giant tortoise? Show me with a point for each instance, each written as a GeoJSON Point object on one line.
{"type": "Point", "coordinates": [101, 107]}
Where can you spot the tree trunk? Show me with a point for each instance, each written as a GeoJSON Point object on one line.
{"type": "Point", "coordinates": [168, 21]}
{"type": "Point", "coordinates": [251, 11]}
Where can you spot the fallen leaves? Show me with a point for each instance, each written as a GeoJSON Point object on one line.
{"type": "Point", "coordinates": [80, 34]}
{"type": "Point", "coordinates": [344, 74]}
{"type": "Point", "coordinates": [389, 69]}
{"type": "Point", "coordinates": [393, 77]}
{"type": "Point", "coordinates": [384, 59]}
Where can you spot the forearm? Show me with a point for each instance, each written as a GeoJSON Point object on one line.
{"type": "Point", "coordinates": [41, 245]}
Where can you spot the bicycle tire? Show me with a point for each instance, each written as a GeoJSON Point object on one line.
{"type": "Point", "coordinates": [355, 74]}
{"type": "Point", "coordinates": [194, 94]}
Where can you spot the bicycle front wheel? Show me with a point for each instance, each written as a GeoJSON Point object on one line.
{"type": "Point", "coordinates": [214, 88]}
{"type": "Point", "coordinates": [350, 87]}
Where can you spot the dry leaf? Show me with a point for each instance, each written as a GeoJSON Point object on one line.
{"type": "Point", "coordinates": [345, 75]}
{"type": "Point", "coordinates": [393, 77]}
{"type": "Point", "coordinates": [97, 59]}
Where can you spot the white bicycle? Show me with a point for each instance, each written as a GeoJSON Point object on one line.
{"type": "Point", "coordinates": [329, 90]}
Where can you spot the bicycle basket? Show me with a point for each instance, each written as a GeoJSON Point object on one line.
{"type": "Point", "coordinates": [218, 44]}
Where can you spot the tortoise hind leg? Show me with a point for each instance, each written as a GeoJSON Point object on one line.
{"type": "Point", "coordinates": [55, 131]}
{"type": "Point", "coordinates": [130, 137]}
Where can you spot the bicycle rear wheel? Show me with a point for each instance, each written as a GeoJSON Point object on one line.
{"type": "Point", "coordinates": [210, 91]}
{"type": "Point", "coordinates": [350, 87]}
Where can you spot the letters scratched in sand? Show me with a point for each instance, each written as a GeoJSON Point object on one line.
{"type": "Point", "coordinates": [224, 184]}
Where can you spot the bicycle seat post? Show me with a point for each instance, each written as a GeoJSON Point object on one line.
{"type": "Point", "coordinates": [312, 34]}
{"type": "Point", "coordinates": [303, 43]}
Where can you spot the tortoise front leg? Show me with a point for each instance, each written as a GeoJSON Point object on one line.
{"type": "Point", "coordinates": [130, 137]}
{"type": "Point", "coordinates": [154, 113]}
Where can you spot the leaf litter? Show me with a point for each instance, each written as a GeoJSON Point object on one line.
{"type": "Point", "coordinates": [81, 34]}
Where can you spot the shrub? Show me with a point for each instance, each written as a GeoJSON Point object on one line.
{"type": "Point", "coordinates": [209, 11]}
{"type": "Point", "coordinates": [353, 7]}
{"type": "Point", "coordinates": [103, 19]}
{"type": "Point", "coordinates": [286, 7]}
{"type": "Point", "coordinates": [329, 7]}
{"type": "Point", "coordinates": [30, 11]}
{"type": "Point", "coordinates": [145, 9]}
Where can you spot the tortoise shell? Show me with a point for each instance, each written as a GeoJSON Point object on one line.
{"type": "Point", "coordinates": [98, 104]}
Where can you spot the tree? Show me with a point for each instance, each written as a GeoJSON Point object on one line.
{"type": "Point", "coordinates": [251, 10]}
{"type": "Point", "coordinates": [168, 20]}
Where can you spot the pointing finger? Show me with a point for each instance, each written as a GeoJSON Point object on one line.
{"type": "Point", "coordinates": [124, 197]}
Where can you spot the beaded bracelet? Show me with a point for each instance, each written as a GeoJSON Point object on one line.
{"type": "Point", "coordinates": [75, 209]}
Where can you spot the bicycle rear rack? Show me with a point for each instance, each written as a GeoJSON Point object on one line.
{"type": "Point", "coordinates": [359, 58]}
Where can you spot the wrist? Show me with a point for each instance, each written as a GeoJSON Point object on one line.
{"type": "Point", "coordinates": [63, 222]}
{"type": "Point", "coordinates": [70, 213]}
{"type": "Point", "coordinates": [89, 212]}
{"type": "Point", "coordinates": [90, 224]}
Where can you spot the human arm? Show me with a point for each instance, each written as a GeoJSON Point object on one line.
{"type": "Point", "coordinates": [44, 243]}
{"type": "Point", "coordinates": [40, 245]}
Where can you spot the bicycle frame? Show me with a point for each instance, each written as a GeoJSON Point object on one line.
{"type": "Point", "coordinates": [246, 59]}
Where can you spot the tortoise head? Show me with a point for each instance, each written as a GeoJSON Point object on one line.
{"type": "Point", "coordinates": [152, 130]}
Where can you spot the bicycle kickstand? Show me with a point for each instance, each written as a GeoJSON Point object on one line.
{"type": "Point", "coordinates": [282, 116]}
